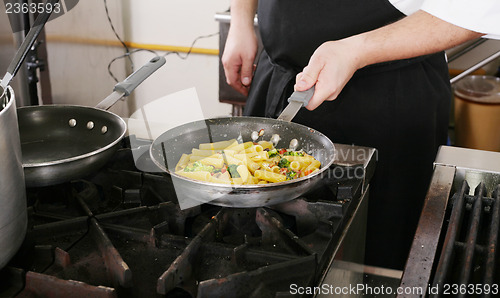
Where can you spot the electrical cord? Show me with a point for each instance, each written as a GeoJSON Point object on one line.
{"type": "Point", "coordinates": [129, 53]}
{"type": "Point", "coordinates": [191, 47]}
{"type": "Point", "coordinates": [117, 36]}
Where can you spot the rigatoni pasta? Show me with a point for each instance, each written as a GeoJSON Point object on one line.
{"type": "Point", "coordinates": [230, 162]}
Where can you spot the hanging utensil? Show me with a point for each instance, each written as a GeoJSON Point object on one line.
{"type": "Point", "coordinates": [23, 50]}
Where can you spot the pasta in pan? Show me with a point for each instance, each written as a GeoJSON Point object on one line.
{"type": "Point", "coordinates": [230, 162]}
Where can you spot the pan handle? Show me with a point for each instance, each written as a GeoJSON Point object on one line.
{"type": "Point", "coordinates": [128, 85]}
{"type": "Point", "coordinates": [136, 78]}
{"type": "Point", "coordinates": [302, 96]}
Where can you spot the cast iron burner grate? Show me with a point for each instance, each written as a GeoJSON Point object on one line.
{"type": "Point", "coordinates": [469, 253]}
{"type": "Point", "coordinates": [121, 233]}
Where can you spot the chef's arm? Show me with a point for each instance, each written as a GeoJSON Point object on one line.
{"type": "Point", "coordinates": [241, 45]}
{"type": "Point", "coordinates": [334, 62]}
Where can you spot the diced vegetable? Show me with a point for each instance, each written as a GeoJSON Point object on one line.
{"type": "Point", "coordinates": [232, 169]}
{"type": "Point", "coordinates": [273, 153]}
{"type": "Point", "coordinates": [290, 175]}
{"type": "Point", "coordinates": [294, 153]}
{"type": "Point", "coordinates": [283, 163]}
{"type": "Point", "coordinates": [198, 166]}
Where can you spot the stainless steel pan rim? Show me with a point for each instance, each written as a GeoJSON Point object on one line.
{"type": "Point", "coordinates": [8, 94]}
{"type": "Point", "coordinates": [82, 156]}
{"type": "Point", "coordinates": [323, 168]}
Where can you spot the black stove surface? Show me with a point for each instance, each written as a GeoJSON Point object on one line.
{"type": "Point", "coordinates": [121, 233]}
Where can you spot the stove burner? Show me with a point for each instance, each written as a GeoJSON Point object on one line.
{"type": "Point", "coordinates": [121, 233]}
{"type": "Point", "coordinates": [469, 253]}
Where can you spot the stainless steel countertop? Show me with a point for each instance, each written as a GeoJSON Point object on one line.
{"type": "Point", "coordinates": [469, 159]}
{"type": "Point", "coordinates": [472, 165]}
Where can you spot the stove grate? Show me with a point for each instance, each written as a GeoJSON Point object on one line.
{"type": "Point", "coordinates": [469, 251]}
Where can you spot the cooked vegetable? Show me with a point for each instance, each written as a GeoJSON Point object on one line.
{"type": "Point", "coordinates": [198, 167]}
{"type": "Point", "coordinates": [290, 175]}
{"type": "Point", "coordinates": [273, 153]}
{"type": "Point", "coordinates": [283, 163]}
{"type": "Point", "coordinates": [232, 169]}
{"type": "Point", "coordinates": [294, 153]}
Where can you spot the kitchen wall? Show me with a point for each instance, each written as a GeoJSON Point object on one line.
{"type": "Point", "coordinates": [81, 44]}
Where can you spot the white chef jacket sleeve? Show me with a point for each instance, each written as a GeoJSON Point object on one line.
{"type": "Point", "coordinates": [407, 6]}
{"type": "Point", "coordinates": [479, 15]}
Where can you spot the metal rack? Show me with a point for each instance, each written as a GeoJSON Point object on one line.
{"type": "Point", "coordinates": [476, 66]}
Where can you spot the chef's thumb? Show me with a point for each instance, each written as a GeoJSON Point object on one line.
{"type": "Point", "coordinates": [305, 80]}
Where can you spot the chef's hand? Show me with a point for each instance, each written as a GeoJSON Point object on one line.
{"type": "Point", "coordinates": [334, 62]}
{"type": "Point", "coordinates": [330, 68]}
{"type": "Point", "coordinates": [238, 57]}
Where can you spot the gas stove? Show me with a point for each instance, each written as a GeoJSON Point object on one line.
{"type": "Point", "coordinates": [455, 249]}
{"type": "Point", "coordinates": [121, 233]}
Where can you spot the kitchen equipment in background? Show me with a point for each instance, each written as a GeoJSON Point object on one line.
{"type": "Point", "coordinates": [13, 220]}
{"type": "Point", "coordinates": [21, 53]}
{"type": "Point", "coordinates": [456, 242]}
{"type": "Point", "coordinates": [226, 93]}
{"type": "Point", "coordinates": [147, 246]}
{"type": "Point", "coordinates": [62, 142]}
{"type": "Point", "coordinates": [477, 112]}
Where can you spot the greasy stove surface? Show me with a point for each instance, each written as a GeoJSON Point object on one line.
{"type": "Point", "coordinates": [121, 233]}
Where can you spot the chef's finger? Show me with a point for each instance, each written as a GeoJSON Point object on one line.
{"type": "Point", "coordinates": [308, 77]}
{"type": "Point", "coordinates": [232, 72]}
{"type": "Point", "coordinates": [317, 98]}
{"type": "Point", "coordinates": [322, 92]}
{"type": "Point", "coordinates": [247, 72]}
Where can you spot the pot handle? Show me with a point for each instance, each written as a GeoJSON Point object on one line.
{"type": "Point", "coordinates": [125, 87]}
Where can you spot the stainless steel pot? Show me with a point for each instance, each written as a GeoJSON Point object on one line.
{"type": "Point", "coordinates": [13, 218]}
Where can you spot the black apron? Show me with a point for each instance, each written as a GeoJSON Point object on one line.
{"type": "Point", "coordinates": [401, 108]}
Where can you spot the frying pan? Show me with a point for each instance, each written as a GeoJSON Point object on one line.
{"type": "Point", "coordinates": [166, 150]}
{"type": "Point", "coordinates": [60, 143]}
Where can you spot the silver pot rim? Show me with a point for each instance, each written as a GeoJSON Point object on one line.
{"type": "Point", "coordinates": [8, 93]}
